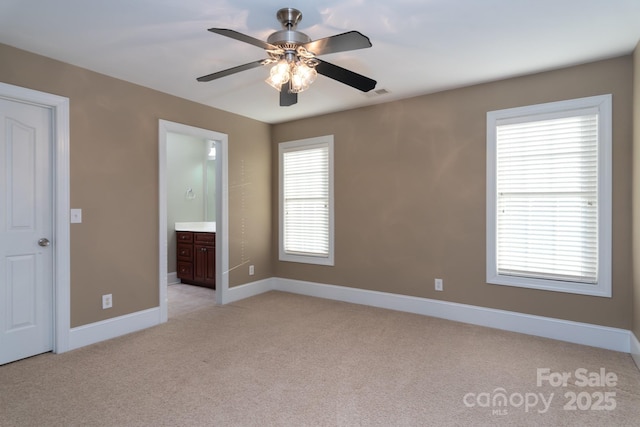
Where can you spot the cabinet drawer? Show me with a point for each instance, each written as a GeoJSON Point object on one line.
{"type": "Point", "coordinates": [185, 270]}
{"type": "Point", "coordinates": [205, 238]}
{"type": "Point", "coordinates": [184, 236]}
{"type": "Point", "coordinates": [185, 252]}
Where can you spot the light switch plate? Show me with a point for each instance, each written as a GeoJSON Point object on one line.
{"type": "Point", "coordinates": [76, 216]}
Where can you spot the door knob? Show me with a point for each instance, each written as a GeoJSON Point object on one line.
{"type": "Point", "coordinates": [43, 242]}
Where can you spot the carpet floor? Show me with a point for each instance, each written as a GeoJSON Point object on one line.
{"type": "Point", "coordinates": [280, 359]}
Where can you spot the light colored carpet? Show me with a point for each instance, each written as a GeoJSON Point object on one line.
{"type": "Point", "coordinates": [290, 360]}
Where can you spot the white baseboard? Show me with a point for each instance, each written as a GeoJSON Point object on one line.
{"type": "Point", "coordinates": [563, 330]}
{"type": "Point", "coordinates": [247, 290]}
{"type": "Point", "coordinates": [635, 349]}
{"type": "Point", "coordinates": [112, 328]}
{"type": "Point", "coordinates": [172, 278]}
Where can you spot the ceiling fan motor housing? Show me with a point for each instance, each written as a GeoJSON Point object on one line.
{"type": "Point", "coordinates": [289, 19]}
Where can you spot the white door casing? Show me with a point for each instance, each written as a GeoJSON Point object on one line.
{"type": "Point", "coordinates": [44, 269]}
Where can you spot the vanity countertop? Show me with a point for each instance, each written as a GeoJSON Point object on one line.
{"type": "Point", "coordinates": [198, 227]}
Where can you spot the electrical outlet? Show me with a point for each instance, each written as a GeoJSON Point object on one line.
{"type": "Point", "coordinates": [252, 270]}
{"type": "Point", "coordinates": [438, 284]}
{"type": "Point", "coordinates": [107, 301]}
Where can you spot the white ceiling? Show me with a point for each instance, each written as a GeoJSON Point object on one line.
{"type": "Point", "coordinates": [419, 46]}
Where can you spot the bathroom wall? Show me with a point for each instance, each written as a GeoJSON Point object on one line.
{"type": "Point", "coordinates": [187, 170]}
{"type": "Point", "coordinates": [210, 190]}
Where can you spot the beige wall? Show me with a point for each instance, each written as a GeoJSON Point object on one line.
{"type": "Point", "coordinates": [636, 191]}
{"type": "Point", "coordinates": [114, 180]}
{"type": "Point", "coordinates": [410, 194]}
{"type": "Point", "coordinates": [410, 189]}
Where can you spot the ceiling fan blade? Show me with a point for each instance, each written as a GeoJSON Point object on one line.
{"type": "Point", "coordinates": [242, 37]}
{"type": "Point", "coordinates": [351, 40]}
{"type": "Point", "coordinates": [230, 71]}
{"type": "Point", "coordinates": [345, 76]}
{"type": "Point", "coordinates": [286, 98]}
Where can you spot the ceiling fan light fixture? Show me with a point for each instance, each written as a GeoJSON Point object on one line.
{"type": "Point", "coordinates": [302, 76]}
{"type": "Point", "coordinates": [298, 74]}
{"type": "Point", "coordinates": [279, 74]}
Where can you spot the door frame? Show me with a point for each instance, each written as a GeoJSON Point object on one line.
{"type": "Point", "coordinates": [222, 207]}
{"type": "Point", "coordinates": [61, 298]}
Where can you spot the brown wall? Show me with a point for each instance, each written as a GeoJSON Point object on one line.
{"type": "Point", "coordinates": [410, 194]}
{"type": "Point", "coordinates": [636, 191]}
{"type": "Point", "coordinates": [114, 180]}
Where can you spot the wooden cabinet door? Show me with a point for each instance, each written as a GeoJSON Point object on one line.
{"type": "Point", "coordinates": [210, 273]}
{"type": "Point", "coordinates": [204, 269]}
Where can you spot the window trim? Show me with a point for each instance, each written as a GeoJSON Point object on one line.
{"type": "Point", "coordinates": [603, 104]}
{"type": "Point", "coordinates": [308, 143]}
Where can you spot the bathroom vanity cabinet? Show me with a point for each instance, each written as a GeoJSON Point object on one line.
{"type": "Point", "coordinates": [196, 258]}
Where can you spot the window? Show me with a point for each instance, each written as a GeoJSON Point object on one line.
{"type": "Point", "coordinates": [306, 200]}
{"type": "Point", "coordinates": [549, 196]}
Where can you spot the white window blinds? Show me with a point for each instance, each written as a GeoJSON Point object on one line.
{"type": "Point", "coordinates": [547, 198]}
{"type": "Point", "coordinates": [306, 198]}
{"type": "Point", "coordinates": [549, 210]}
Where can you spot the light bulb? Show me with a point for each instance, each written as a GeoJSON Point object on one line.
{"type": "Point", "coordinates": [301, 77]}
{"type": "Point", "coordinates": [279, 75]}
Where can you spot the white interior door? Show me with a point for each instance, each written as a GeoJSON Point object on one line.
{"type": "Point", "coordinates": [26, 224]}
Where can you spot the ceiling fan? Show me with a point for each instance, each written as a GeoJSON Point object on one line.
{"type": "Point", "coordinates": [294, 57]}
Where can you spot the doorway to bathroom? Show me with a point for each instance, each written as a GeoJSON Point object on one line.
{"type": "Point", "coordinates": [199, 195]}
